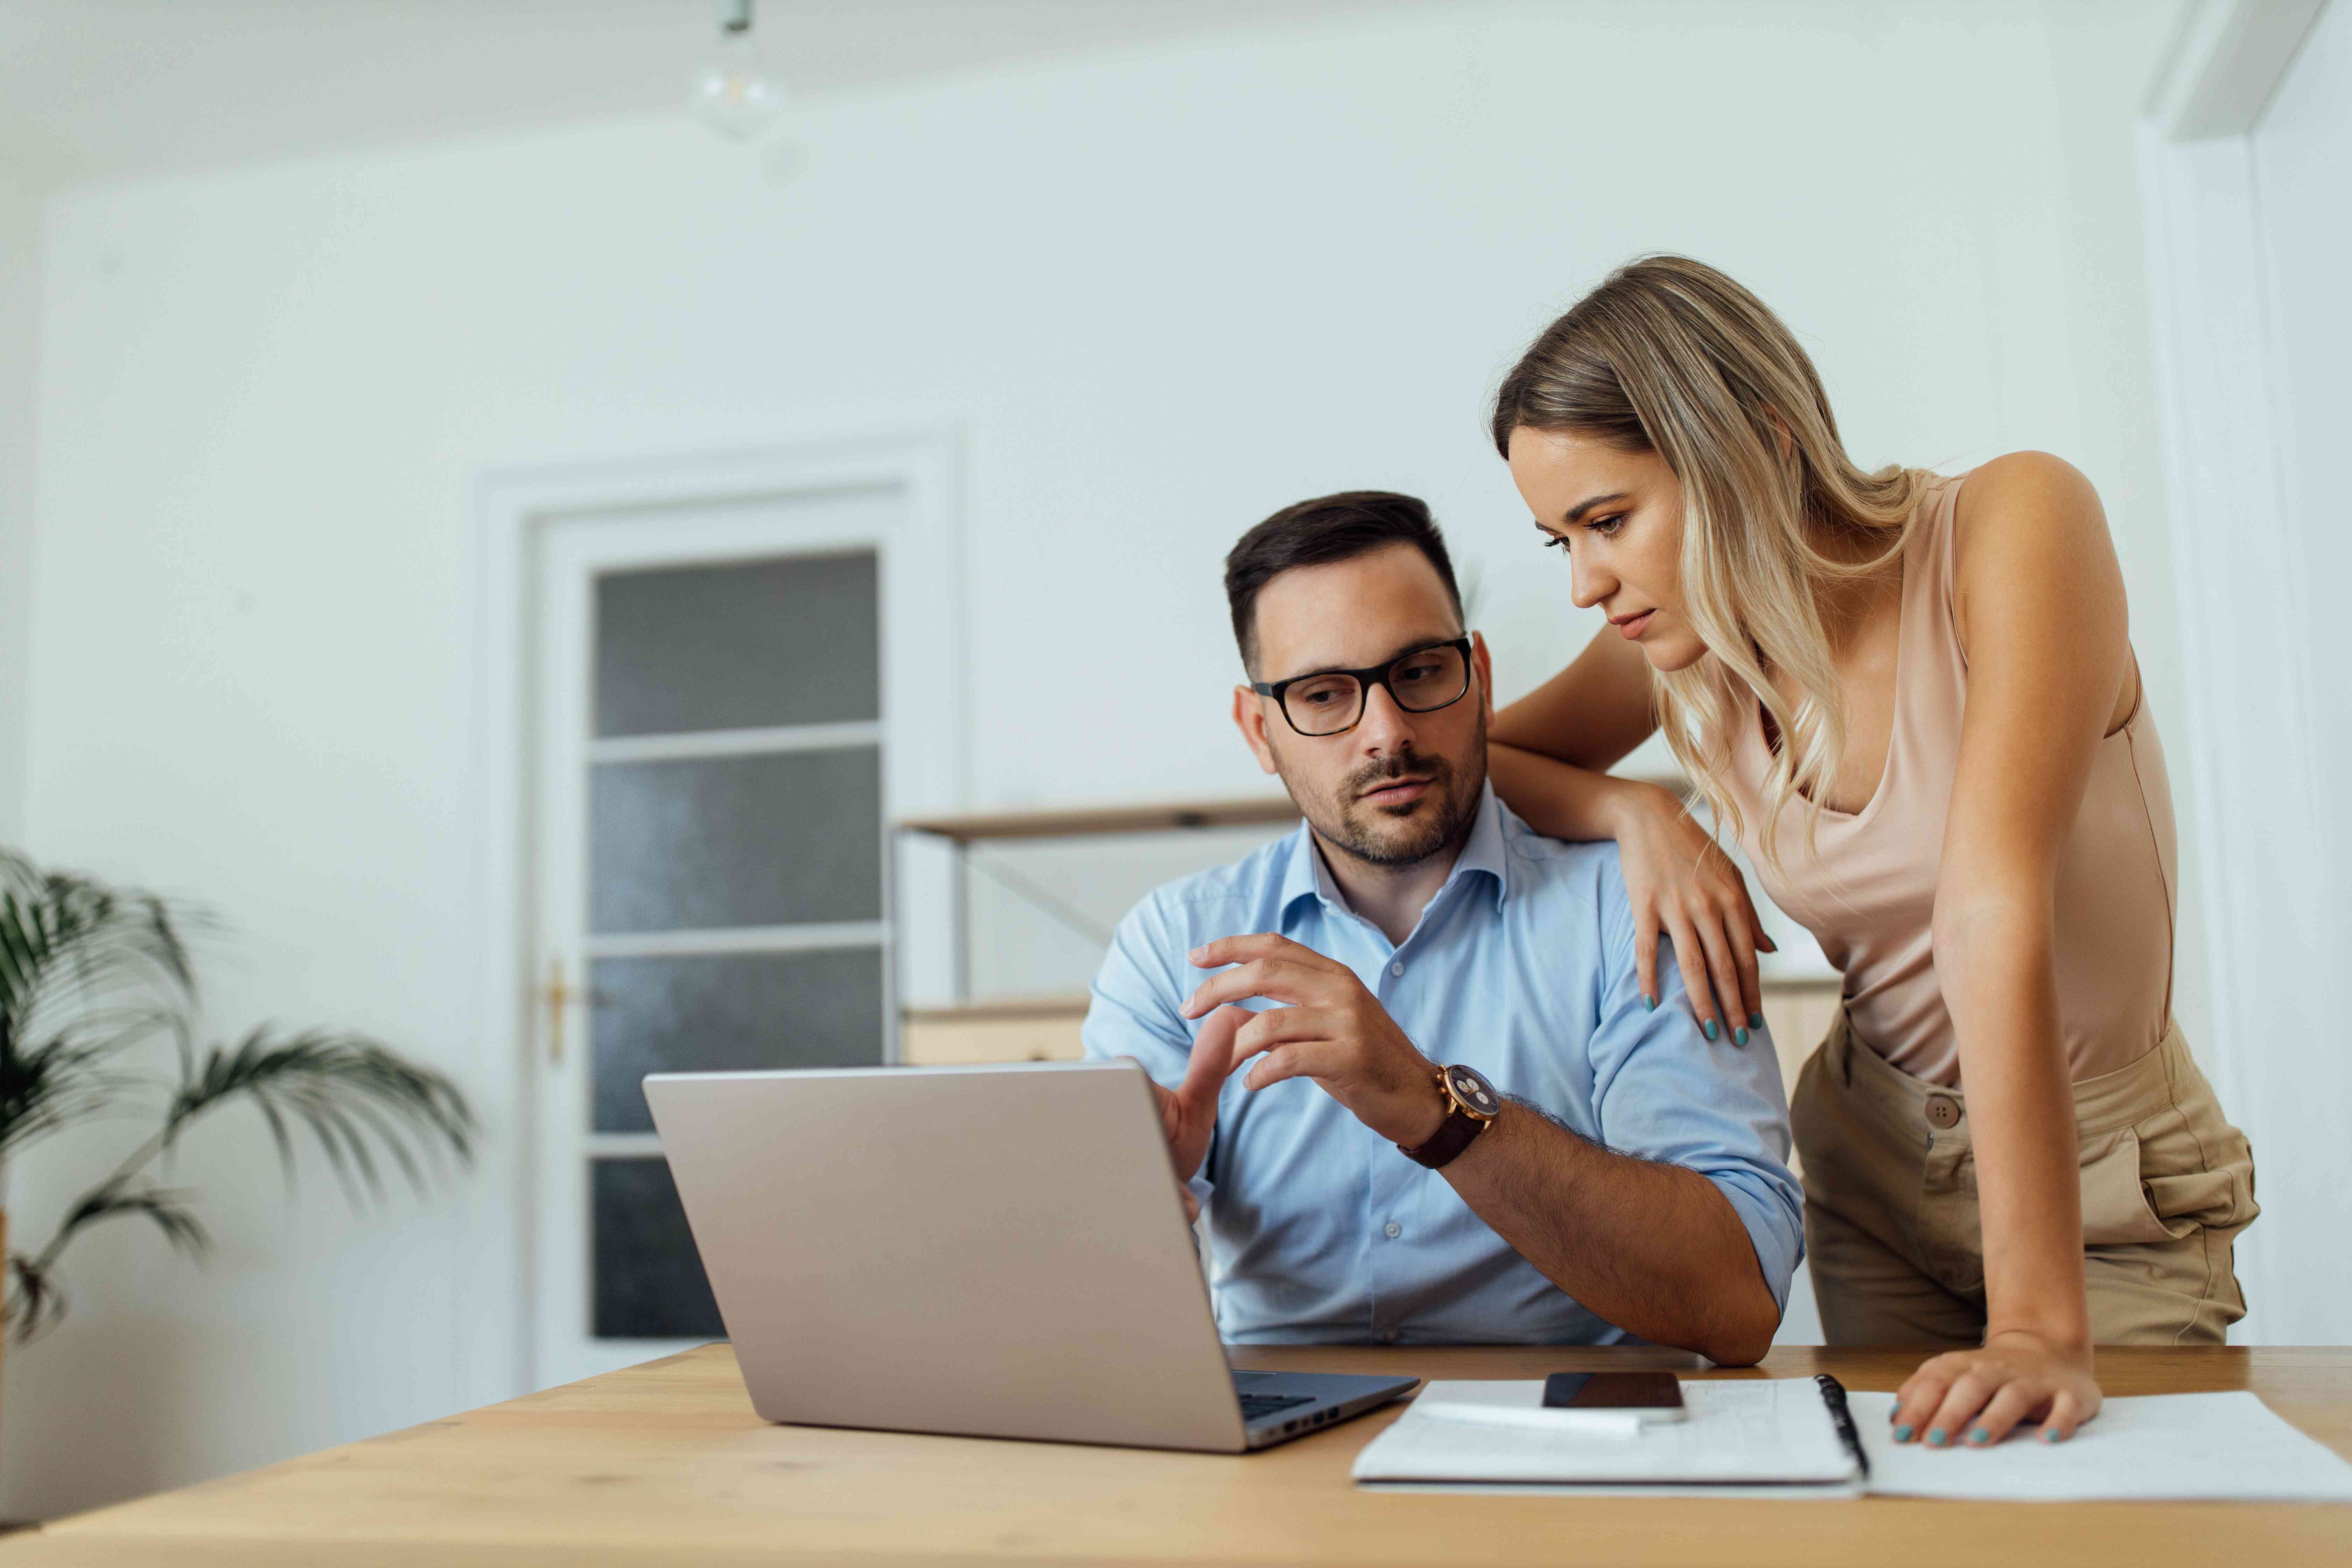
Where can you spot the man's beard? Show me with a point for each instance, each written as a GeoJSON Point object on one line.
{"type": "Point", "coordinates": [1357, 826]}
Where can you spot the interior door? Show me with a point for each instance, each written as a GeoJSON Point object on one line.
{"type": "Point", "coordinates": [708, 868]}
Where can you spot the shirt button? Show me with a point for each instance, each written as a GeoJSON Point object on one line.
{"type": "Point", "coordinates": [1396, 969]}
{"type": "Point", "coordinates": [1391, 1336]}
{"type": "Point", "coordinates": [1394, 1229]}
{"type": "Point", "coordinates": [1943, 1110]}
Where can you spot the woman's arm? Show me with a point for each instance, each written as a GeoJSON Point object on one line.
{"type": "Point", "coordinates": [2039, 605]}
{"type": "Point", "coordinates": [1589, 715]}
{"type": "Point", "coordinates": [1549, 755]}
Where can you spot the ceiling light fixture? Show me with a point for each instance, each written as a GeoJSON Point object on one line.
{"type": "Point", "coordinates": [734, 92]}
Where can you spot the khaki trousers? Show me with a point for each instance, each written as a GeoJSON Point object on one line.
{"type": "Point", "coordinates": [1891, 1221]}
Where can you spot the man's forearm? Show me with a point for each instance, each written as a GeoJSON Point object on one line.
{"type": "Point", "coordinates": [1654, 1248]}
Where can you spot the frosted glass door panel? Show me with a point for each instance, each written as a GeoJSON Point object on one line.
{"type": "Point", "coordinates": [727, 1013]}
{"type": "Point", "coordinates": [711, 738]}
{"type": "Point", "coordinates": [750, 645]}
{"type": "Point", "coordinates": [649, 1280]}
{"type": "Point", "coordinates": [709, 857]}
{"type": "Point", "coordinates": [783, 838]}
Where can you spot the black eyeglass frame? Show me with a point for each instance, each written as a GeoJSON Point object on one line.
{"type": "Point", "coordinates": [1376, 675]}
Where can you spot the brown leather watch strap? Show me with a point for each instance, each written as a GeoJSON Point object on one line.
{"type": "Point", "coordinates": [1453, 1135]}
{"type": "Point", "coordinates": [1470, 1104]}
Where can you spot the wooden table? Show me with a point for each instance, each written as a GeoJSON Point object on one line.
{"type": "Point", "coordinates": [666, 1463]}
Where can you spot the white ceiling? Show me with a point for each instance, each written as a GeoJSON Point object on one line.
{"type": "Point", "coordinates": [96, 88]}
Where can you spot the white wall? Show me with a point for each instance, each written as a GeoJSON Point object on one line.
{"type": "Point", "coordinates": [2244, 148]}
{"type": "Point", "coordinates": [2299, 1080]}
{"type": "Point", "coordinates": [20, 302]}
{"type": "Point", "coordinates": [1164, 291]}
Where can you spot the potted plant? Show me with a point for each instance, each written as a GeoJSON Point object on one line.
{"type": "Point", "coordinates": [88, 974]}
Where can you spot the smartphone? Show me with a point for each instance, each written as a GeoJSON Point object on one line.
{"type": "Point", "coordinates": [1652, 1395]}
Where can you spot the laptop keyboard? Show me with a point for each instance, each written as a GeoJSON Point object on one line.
{"type": "Point", "coordinates": [1256, 1404]}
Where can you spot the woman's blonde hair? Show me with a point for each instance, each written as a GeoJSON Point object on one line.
{"type": "Point", "coordinates": [1670, 356]}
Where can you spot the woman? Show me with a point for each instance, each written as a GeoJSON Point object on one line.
{"type": "Point", "coordinates": [1914, 702]}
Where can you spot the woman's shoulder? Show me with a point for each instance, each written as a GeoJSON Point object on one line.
{"type": "Point", "coordinates": [2027, 524]}
{"type": "Point", "coordinates": [2008, 491]}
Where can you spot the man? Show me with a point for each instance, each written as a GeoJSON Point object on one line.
{"type": "Point", "coordinates": [1602, 1173]}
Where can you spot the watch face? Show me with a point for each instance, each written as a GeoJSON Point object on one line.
{"type": "Point", "coordinates": [1475, 1093]}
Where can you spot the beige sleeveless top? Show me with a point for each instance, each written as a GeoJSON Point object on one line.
{"type": "Point", "coordinates": [1867, 889]}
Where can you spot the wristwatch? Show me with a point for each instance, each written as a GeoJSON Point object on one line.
{"type": "Point", "coordinates": [1471, 1104]}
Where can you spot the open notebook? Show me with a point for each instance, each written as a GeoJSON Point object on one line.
{"type": "Point", "coordinates": [1773, 1437]}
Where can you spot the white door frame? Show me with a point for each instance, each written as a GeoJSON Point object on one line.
{"type": "Point", "coordinates": [496, 1331]}
{"type": "Point", "coordinates": [2269, 923]}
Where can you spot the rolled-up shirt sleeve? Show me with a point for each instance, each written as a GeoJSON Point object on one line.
{"type": "Point", "coordinates": [1663, 1091]}
{"type": "Point", "coordinates": [1133, 1013]}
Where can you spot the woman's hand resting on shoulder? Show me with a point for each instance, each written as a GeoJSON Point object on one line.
{"type": "Point", "coordinates": [1681, 884]}
{"type": "Point", "coordinates": [1972, 1398]}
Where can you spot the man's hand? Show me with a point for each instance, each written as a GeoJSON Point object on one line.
{"type": "Point", "coordinates": [1656, 1249]}
{"type": "Point", "coordinates": [1188, 1115]}
{"type": "Point", "coordinates": [1334, 1031]}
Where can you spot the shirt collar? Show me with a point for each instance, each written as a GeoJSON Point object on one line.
{"type": "Point", "coordinates": [1485, 849]}
{"type": "Point", "coordinates": [1483, 852]}
{"type": "Point", "coordinates": [1304, 875]}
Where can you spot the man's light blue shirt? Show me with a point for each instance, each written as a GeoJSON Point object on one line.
{"type": "Point", "coordinates": [1522, 966]}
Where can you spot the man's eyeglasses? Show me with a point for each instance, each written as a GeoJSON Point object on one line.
{"type": "Point", "coordinates": [1331, 701]}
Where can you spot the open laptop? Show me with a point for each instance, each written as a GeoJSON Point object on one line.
{"type": "Point", "coordinates": [995, 1251]}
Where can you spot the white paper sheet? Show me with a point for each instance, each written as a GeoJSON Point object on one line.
{"type": "Point", "coordinates": [2162, 1446]}
{"type": "Point", "coordinates": [1773, 1438]}
{"type": "Point", "coordinates": [1791, 1491]}
{"type": "Point", "coordinates": [1763, 1430]}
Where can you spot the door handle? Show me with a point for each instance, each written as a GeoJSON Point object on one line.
{"type": "Point", "coordinates": [559, 997]}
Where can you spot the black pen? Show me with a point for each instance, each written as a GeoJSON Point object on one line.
{"type": "Point", "coordinates": [1833, 1395]}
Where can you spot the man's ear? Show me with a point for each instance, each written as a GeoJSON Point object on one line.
{"type": "Point", "coordinates": [1249, 717]}
{"type": "Point", "coordinates": [1484, 664]}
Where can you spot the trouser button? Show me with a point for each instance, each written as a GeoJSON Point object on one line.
{"type": "Point", "coordinates": [1943, 1112]}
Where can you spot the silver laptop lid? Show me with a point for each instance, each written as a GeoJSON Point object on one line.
{"type": "Point", "coordinates": [990, 1250]}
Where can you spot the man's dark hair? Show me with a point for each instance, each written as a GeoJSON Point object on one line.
{"type": "Point", "coordinates": [1316, 533]}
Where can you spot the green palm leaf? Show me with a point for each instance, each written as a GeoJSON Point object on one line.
{"type": "Point", "coordinates": [356, 1096]}
{"type": "Point", "coordinates": [53, 1085]}
{"type": "Point", "coordinates": [38, 1300]}
{"type": "Point", "coordinates": [87, 971]}
{"type": "Point", "coordinates": [112, 965]}
{"type": "Point", "coordinates": [63, 936]}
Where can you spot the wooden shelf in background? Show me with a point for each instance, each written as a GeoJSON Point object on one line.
{"type": "Point", "coordinates": [1003, 1010]}
{"type": "Point", "coordinates": [1046, 1028]}
{"type": "Point", "coordinates": [1004, 1029]}
{"type": "Point", "coordinates": [1144, 817]}
{"type": "Point", "coordinates": [1073, 822]}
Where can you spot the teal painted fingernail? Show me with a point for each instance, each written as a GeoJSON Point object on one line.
{"type": "Point", "coordinates": [1712, 1032]}
{"type": "Point", "coordinates": [1739, 1037]}
{"type": "Point", "coordinates": [1938, 1437]}
{"type": "Point", "coordinates": [1650, 1003]}
{"type": "Point", "coordinates": [1754, 1020]}
{"type": "Point", "coordinates": [1903, 1433]}
{"type": "Point", "coordinates": [1981, 1437]}
{"type": "Point", "coordinates": [2051, 1435]}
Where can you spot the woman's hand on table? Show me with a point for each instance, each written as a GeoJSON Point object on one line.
{"type": "Point", "coordinates": [1972, 1398]}
{"type": "Point", "coordinates": [1681, 884]}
